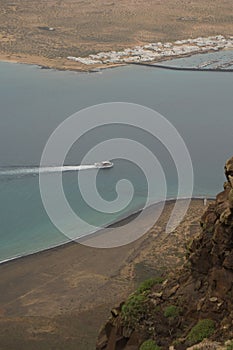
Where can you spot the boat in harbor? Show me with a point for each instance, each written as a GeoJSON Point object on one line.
{"type": "Point", "coordinates": [104, 164]}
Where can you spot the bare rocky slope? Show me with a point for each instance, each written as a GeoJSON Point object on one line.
{"type": "Point", "coordinates": [195, 304]}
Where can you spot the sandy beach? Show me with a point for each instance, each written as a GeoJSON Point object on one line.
{"type": "Point", "coordinates": [58, 299]}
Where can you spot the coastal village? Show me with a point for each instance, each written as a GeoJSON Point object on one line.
{"type": "Point", "coordinates": [153, 52]}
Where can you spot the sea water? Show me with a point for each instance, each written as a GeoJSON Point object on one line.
{"type": "Point", "coordinates": [33, 102]}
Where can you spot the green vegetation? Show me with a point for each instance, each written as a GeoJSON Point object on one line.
{"type": "Point", "coordinates": [133, 309]}
{"type": "Point", "coordinates": [230, 346]}
{"type": "Point", "coordinates": [171, 311]}
{"type": "Point", "coordinates": [149, 345]}
{"type": "Point", "coordinates": [148, 284]}
{"type": "Point", "coordinates": [203, 329]}
{"type": "Point", "coordinates": [135, 306]}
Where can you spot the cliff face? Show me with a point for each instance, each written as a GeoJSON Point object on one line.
{"type": "Point", "coordinates": [195, 304]}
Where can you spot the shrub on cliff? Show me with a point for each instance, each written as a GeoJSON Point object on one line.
{"type": "Point", "coordinates": [171, 311]}
{"type": "Point", "coordinates": [149, 345]}
{"type": "Point", "coordinates": [203, 329]}
{"type": "Point", "coordinates": [133, 309]}
{"type": "Point", "coordinates": [148, 284]}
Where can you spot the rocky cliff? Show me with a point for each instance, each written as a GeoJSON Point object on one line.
{"type": "Point", "coordinates": [195, 304]}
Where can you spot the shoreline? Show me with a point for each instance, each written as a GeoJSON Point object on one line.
{"type": "Point", "coordinates": [100, 231]}
{"type": "Point", "coordinates": [64, 65]}
{"type": "Point", "coordinates": [57, 65]}
{"type": "Point", "coordinates": [77, 285]}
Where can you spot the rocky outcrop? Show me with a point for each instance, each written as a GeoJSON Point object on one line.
{"type": "Point", "coordinates": [195, 304]}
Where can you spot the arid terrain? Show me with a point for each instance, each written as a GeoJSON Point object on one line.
{"type": "Point", "coordinates": [58, 299]}
{"type": "Point", "coordinates": [84, 27]}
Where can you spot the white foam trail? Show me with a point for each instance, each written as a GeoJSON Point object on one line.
{"type": "Point", "coordinates": [52, 169]}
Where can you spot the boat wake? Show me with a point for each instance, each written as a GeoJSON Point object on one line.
{"type": "Point", "coordinates": [38, 170]}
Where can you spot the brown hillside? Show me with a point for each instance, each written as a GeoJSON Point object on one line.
{"type": "Point", "coordinates": [195, 304]}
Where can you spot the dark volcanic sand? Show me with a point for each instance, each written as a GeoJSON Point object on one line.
{"type": "Point", "coordinates": [58, 299]}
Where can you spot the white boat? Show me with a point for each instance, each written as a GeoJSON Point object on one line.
{"type": "Point", "coordinates": [104, 164]}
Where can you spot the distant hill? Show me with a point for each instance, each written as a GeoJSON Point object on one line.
{"type": "Point", "coordinates": [46, 32]}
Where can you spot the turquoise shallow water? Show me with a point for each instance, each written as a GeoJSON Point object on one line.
{"type": "Point", "coordinates": [34, 102]}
